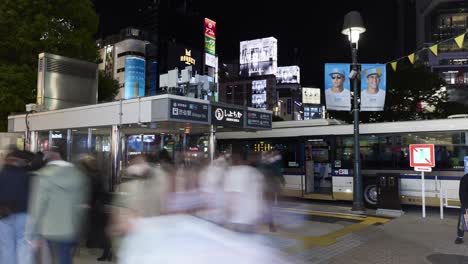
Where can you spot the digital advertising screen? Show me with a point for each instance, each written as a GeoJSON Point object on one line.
{"type": "Point", "coordinates": [134, 77]}
{"type": "Point", "coordinates": [259, 94]}
{"type": "Point", "coordinates": [258, 57]}
{"type": "Point", "coordinates": [312, 112]}
{"type": "Point", "coordinates": [288, 74]}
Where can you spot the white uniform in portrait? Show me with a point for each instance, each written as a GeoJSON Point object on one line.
{"type": "Point", "coordinates": [338, 101]}
{"type": "Point", "coordinates": [372, 102]}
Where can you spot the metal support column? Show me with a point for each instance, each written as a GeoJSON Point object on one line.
{"type": "Point", "coordinates": [89, 141]}
{"type": "Point", "coordinates": [358, 204]}
{"type": "Point", "coordinates": [115, 157]}
{"type": "Point", "coordinates": [69, 144]}
{"type": "Point", "coordinates": [33, 137]}
{"type": "Point", "coordinates": [50, 140]}
{"type": "Point", "coordinates": [212, 142]}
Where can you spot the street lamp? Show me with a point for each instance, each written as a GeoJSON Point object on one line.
{"type": "Point", "coordinates": [353, 27]}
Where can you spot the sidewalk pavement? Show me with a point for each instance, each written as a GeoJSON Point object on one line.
{"type": "Point", "coordinates": [325, 232]}
{"type": "Point", "coordinates": [407, 239]}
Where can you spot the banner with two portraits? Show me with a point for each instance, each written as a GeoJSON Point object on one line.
{"type": "Point", "coordinates": [338, 87]}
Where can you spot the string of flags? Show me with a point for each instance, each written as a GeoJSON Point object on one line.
{"type": "Point", "coordinates": [459, 40]}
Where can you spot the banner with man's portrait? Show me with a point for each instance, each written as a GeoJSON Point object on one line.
{"type": "Point", "coordinates": [373, 87]}
{"type": "Point", "coordinates": [337, 87]}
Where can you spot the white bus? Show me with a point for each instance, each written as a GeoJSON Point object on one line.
{"type": "Point", "coordinates": [318, 157]}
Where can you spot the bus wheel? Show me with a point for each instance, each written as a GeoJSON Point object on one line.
{"type": "Point", "coordinates": [370, 195]}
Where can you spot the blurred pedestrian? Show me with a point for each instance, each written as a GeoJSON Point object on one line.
{"type": "Point", "coordinates": [98, 216]}
{"type": "Point", "coordinates": [58, 195]}
{"type": "Point", "coordinates": [14, 196]}
{"type": "Point", "coordinates": [463, 193]}
{"type": "Point", "coordinates": [243, 186]}
{"type": "Point", "coordinates": [270, 166]}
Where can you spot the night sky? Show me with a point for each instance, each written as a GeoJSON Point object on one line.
{"type": "Point", "coordinates": [315, 32]}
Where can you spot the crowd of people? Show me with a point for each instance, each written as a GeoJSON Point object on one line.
{"type": "Point", "coordinates": [49, 207]}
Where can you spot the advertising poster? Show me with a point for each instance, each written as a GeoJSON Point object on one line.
{"type": "Point", "coordinates": [210, 60]}
{"type": "Point", "coordinates": [153, 71]}
{"type": "Point", "coordinates": [373, 87]}
{"type": "Point", "coordinates": [289, 74]}
{"type": "Point", "coordinates": [337, 87]}
{"type": "Point", "coordinates": [258, 57]}
{"type": "Point", "coordinates": [310, 95]}
{"type": "Point", "coordinates": [259, 94]}
{"type": "Point", "coordinates": [134, 77]}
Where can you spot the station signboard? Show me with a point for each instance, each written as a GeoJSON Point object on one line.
{"type": "Point", "coordinates": [258, 120]}
{"type": "Point", "coordinates": [182, 110]}
{"type": "Point", "coordinates": [227, 116]}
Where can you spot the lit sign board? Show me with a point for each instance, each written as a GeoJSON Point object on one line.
{"type": "Point", "coordinates": [227, 116]}
{"type": "Point", "coordinates": [258, 120]}
{"type": "Point", "coordinates": [259, 94]}
{"type": "Point", "coordinates": [188, 111]}
{"type": "Point", "coordinates": [258, 57]}
{"type": "Point", "coordinates": [289, 74]}
{"type": "Point", "coordinates": [310, 95]}
{"type": "Point", "coordinates": [187, 58]}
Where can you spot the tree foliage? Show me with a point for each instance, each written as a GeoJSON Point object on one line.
{"type": "Point", "coordinates": [108, 87]}
{"type": "Point", "coordinates": [29, 27]}
{"type": "Point", "coordinates": [408, 88]}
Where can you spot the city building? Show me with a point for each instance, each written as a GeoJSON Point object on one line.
{"type": "Point", "coordinates": [131, 48]}
{"type": "Point", "coordinates": [257, 92]}
{"type": "Point", "coordinates": [439, 20]}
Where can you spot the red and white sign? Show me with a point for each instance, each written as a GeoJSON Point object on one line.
{"type": "Point", "coordinates": [210, 28]}
{"type": "Point", "coordinates": [422, 155]}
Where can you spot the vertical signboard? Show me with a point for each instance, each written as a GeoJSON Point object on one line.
{"type": "Point", "coordinates": [210, 42]}
{"type": "Point", "coordinates": [259, 94]}
{"type": "Point", "coordinates": [373, 87]}
{"type": "Point", "coordinates": [153, 71]}
{"type": "Point", "coordinates": [134, 77]}
{"type": "Point", "coordinates": [337, 87]}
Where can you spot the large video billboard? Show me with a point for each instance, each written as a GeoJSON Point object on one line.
{"type": "Point", "coordinates": [288, 74]}
{"type": "Point", "coordinates": [337, 87]}
{"type": "Point", "coordinates": [134, 77]}
{"type": "Point", "coordinates": [258, 57]}
{"type": "Point", "coordinates": [373, 87]}
{"type": "Point", "coordinates": [259, 94]}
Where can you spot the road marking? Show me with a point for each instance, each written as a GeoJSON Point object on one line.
{"type": "Point", "coordinates": [330, 238]}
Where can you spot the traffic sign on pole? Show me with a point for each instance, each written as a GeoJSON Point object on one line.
{"type": "Point", "coordinates": [422, 158]}
{"type": "Point", "coordinates": [422, 155]}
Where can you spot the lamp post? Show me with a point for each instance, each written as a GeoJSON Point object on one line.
{"type": "Point", "coordinates": [353, 27]}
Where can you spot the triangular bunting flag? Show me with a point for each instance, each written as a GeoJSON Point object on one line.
{"type": "Point", "coordinates": [459, 40]}
{"type": "Point", "coordinates": [411, 58]}
{"type": "Point", "coordinates": [434, 49]}
{"type": "Point", "coordinates": [394, 64]}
